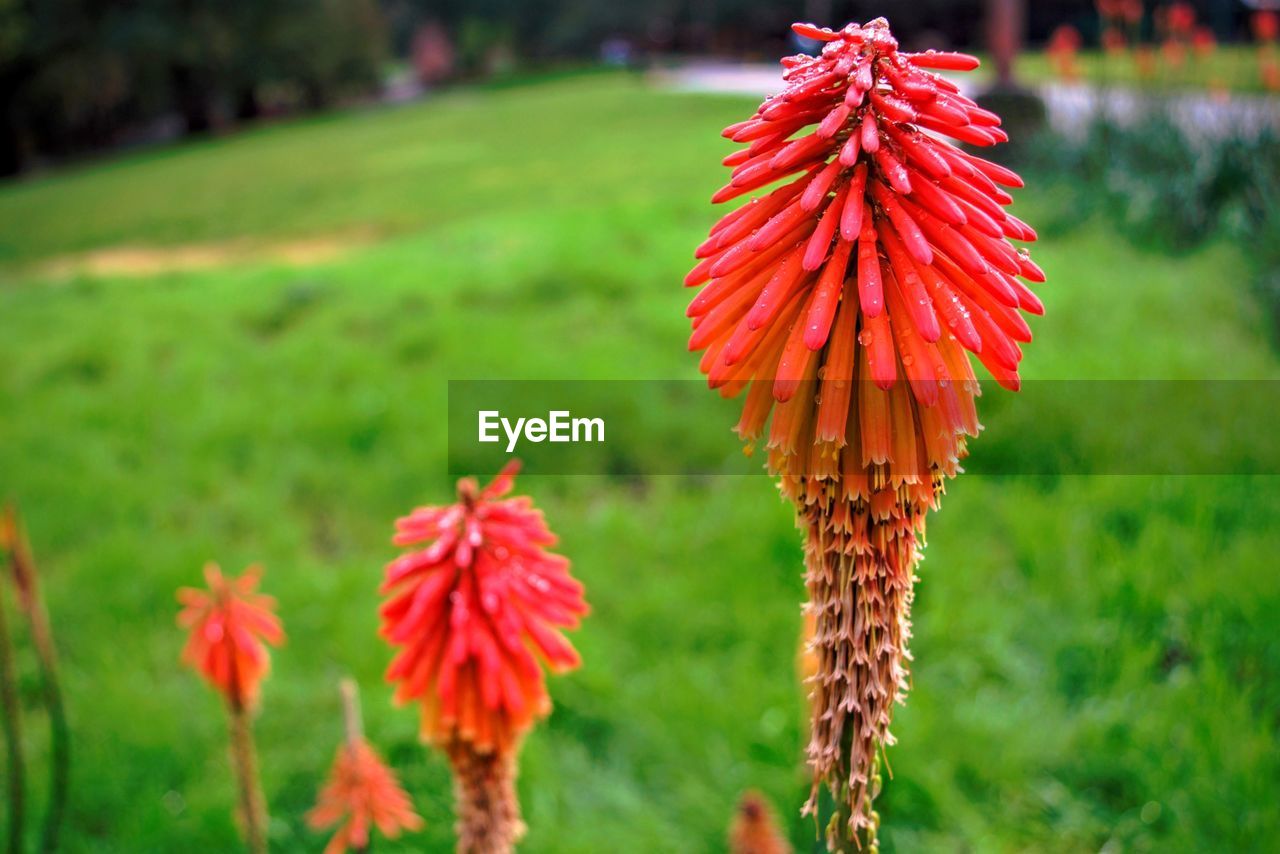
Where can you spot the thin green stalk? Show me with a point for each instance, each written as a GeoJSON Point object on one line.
{"type": "Point", "coordinates": [12, 735]}
{"type": "Point", "coordinates": [353, 731]}
{"type": "Point", "coordinates": [25, 580]}
{"type": "Point", "coordinates": [244, 758]}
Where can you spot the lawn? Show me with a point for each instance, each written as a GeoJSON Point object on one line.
{"type": "Point", "coordinates": [1096, 660]}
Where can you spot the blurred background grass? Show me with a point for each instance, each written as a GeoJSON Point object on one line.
{"type": "Point", "coordinates": [1097, 666]}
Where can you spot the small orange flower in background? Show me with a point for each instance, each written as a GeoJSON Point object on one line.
{"type": "Point", "coordinates": [230, 625]}
{"type": "Point", "coordinates": [1270, 72]}
{"type": "Point", "coordinates": [362, 793]}
{"type": "Point", "coordinates": [476, 612]}
{"type": "Point", "coordinates": [1144, 57]}
{"type": "Point", "coordinates": [1265, 26]}
{"type": "Point", "coordinates": [1113, 40]}
{"type": "Point", "coordinates": [1266, 29]}
{"type": "Point", "coordinates": [1180, 18]}
{"type": "Point", "coordinates": [1174, 53]}
{"type": "Point", "coordinates": [755, 829]}
{"type": "Point", "coordinates": [1063, 46]}
{"type": "Point", "coordinates": [1203, 41]}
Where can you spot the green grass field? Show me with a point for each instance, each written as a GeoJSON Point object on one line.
{"type": "Point", "coordinates": [1096, 660]}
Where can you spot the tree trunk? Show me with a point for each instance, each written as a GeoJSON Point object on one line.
{"type": "Point", "coordinates": [1006, 21]}
{"type": "Point", "coordinates": [194, 99]}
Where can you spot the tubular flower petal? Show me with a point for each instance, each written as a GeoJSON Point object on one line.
{"type": "Point", "coordinates": [474, 613]}
{"type": "Point", "coordinates": [872, 275]}
{"type": "Point", "coordinates": [362, 793]}
{"type": "Point", "coordinates": [229, 625]}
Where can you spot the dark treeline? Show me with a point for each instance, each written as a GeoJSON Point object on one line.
{"type": "Point", "coordinates": [77, 75]}
{"type": "Point", "coordinates": [82, 74]}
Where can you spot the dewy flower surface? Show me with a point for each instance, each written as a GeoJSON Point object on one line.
{"type": "Point", "coordinates": [474, 611]}
{"type": "Point", "coordinates": [843, 303]}
{"type": "Point", "coordinates": [229, 626]}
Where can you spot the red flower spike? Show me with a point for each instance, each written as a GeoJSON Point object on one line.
{"type": "Point", "coordinates": [362, 793]}
{"type": "Point", "coordinates": [230, 625]}
{"type": "Point", "coordinates": [475, 612]}
{"type": "Point", "coordinates": [845, 302]}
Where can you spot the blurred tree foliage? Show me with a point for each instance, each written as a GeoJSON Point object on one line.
{"type": "Point", "coordinates": [80, 74]}
{"type": "Point", "coordinates": [77, 74]}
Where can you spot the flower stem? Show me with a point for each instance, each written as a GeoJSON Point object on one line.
{"type": "Point", "coordinates": [353, 731]}
{"type": "Point", "coordinates": [244, 759]}
{"type": "Point", "coordinates": [861, 600]}
{"type": "Point", "coordinates": [25, 579]}
{"type": "Point", "coordinates": [353, 728]}
{"type": "Point", "coordinates": [488, 810]}
{"type": "Point", "coordinates": [12, 736]}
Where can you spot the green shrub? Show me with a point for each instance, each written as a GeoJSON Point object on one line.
{"type": "Point", "coordinates": [1165, 189]}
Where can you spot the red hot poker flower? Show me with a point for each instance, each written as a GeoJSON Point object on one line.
{"type": "Point", "coordinates": [474, 611]}
{"type": "Point", "coordinates": [884, 256]}
{"type": "Point", "coordinates": [230, 625]}
{"type": "Point", "coordinates": [362, 793]}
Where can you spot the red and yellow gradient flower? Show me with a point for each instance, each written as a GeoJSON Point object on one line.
{"type": "Point", "coordinates": [843, 303]}
{"type": "Point", "coordinates": [230, 625]}
{"type": "Point", "coordinates": [362, 793]}
{"type": "Point", "coordinates": [476, 612]}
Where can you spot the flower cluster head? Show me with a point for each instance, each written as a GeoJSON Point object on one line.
{"type": "Point", "coordinates": [885, 256]}
{"type": "Point", "coordinates": [474, 608]}
{"type": "Point", "coordinates": [845, 300]}
{"type": "Point", "coordinates": [362, 793]}
{"type": "Point", "coordinates": [230, 625]}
